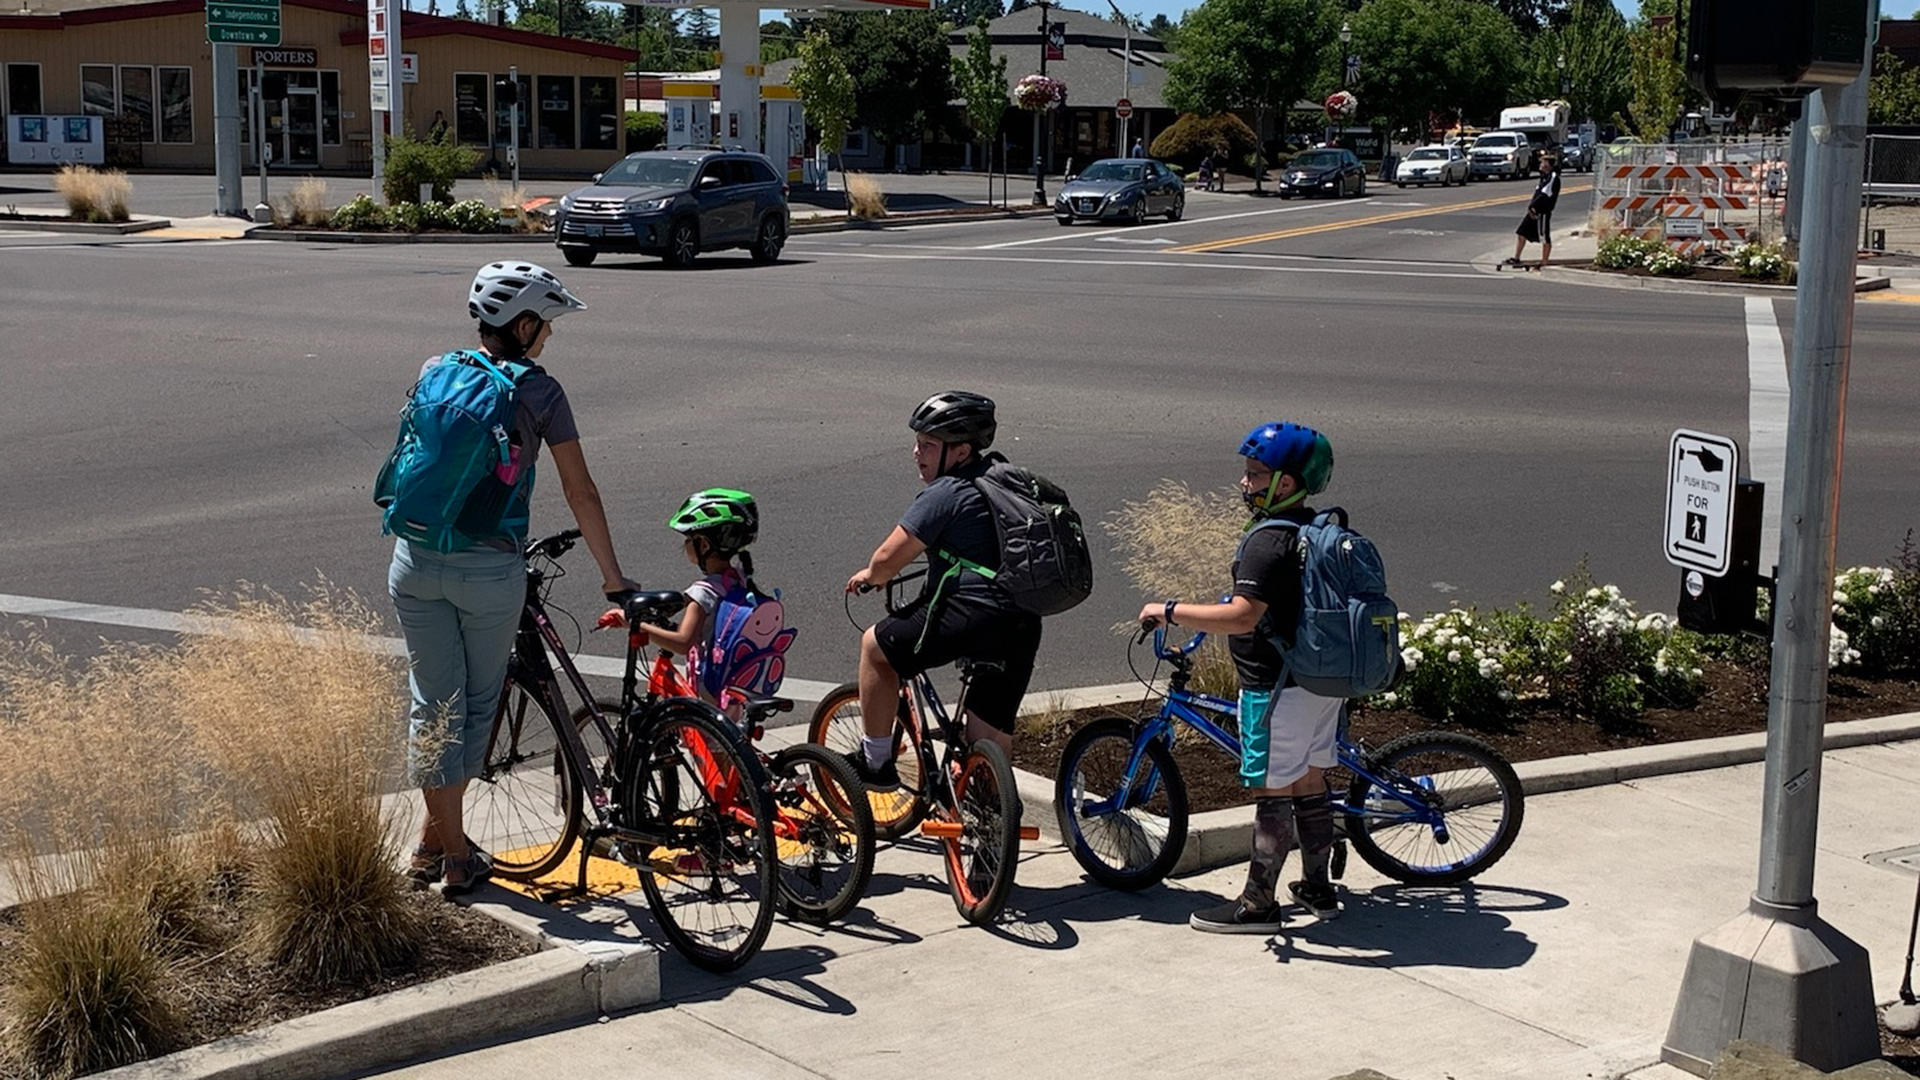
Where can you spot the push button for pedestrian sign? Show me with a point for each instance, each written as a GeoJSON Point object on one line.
{"type": "Point", "coordinates": [1702, 472]}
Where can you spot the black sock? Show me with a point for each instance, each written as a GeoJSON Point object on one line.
{"type": "Point", "coordinates": [1313, 820]}
{"type": "Point", "coordinates": [1272, 839]}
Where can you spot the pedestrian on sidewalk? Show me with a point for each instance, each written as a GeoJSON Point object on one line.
{"type": "Point", "coordinates": [1536, 226]}
{"type": "Point", "coordinates": [1139, 149]}
{"type": "Point", "coordinates": [458, 587]}
{"type": "Point", "coordinates": [1287, 734]}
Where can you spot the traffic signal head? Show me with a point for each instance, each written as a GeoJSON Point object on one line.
{"type": "Point", "coordinates": [1774, 48]}
{"type": "Point", "coordinates": [506, 92]}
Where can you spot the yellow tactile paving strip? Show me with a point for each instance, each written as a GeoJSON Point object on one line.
{"type": "Point", "coordinates": [605, 877]}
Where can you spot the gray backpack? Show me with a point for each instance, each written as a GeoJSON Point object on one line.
{"type": "Point", "coordinates": [1045, 564]}
{"type": "Point", "coordinates": [1347, 642]}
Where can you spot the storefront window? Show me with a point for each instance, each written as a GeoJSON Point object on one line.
{"type": "Point", "coordinates": [23, 89]}
{"type": "Point", "coordinates": [97, 90]}
{"type": "Point", "coordinates": [176, 105]}
{"type": "Point", "coordinates": [470, 108]}
{"type": "Point", "coordinates": [600, 119]}
{"type": "Point", "coordinates": [556, 112]}
{"type": "Point", "coordinates": [501, 112]}
{"type": "Point", "coordinates": [330, 108]}
{"type": "Point", "coordinates": [136, 98]}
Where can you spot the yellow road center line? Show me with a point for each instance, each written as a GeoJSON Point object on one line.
{"type": "Point", "coordinates": [1377, 219]}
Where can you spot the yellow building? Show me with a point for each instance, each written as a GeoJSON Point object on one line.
{"type": "Point", "coordinates": [149, 64]}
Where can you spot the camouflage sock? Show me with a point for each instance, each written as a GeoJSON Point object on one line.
{"type": "Point", "coordinates": [1313, 820]}
{"type": "Point", "coordinates": [1272, 839]}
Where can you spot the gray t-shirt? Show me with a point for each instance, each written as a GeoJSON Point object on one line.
{"type": "Point", "coordinates": [950, 516]}
{"type": "Point", "coordinates": [542, 415]}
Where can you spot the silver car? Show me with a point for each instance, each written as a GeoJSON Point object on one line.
{"type": "Point", "coordinates": [1121, 189]}
{"type": "Point", "coordinates": [1435, 164]}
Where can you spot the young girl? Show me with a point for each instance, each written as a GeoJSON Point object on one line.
{"type": "Point", "coordinates": [719, 525]}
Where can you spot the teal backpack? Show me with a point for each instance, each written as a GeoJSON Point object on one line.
{"type": "Point", "coordinates": [454, 477]}
{"type": "Point", "coordinates": [1347, 642]}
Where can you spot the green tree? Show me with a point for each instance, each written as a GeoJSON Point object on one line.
{"type": "Point", "coordinates": [1594, 41]}
{"type": "Point", "coordinates": [1658, 81]}
{"type": "Point", "coordinates": [901, 69]}
{"type": "Point", "coordinates": [591, 22]}
{"type": "Point", "coordinates": [1893, 93]}
{"type": "Point", "coordinates": [777, 41]}
{"type": "Point", "coordinates": [1248, 54]}
{"type": "Point", "coordinates": [1164, 29]}
{"type": "Point", "coordinates": [981, 78]}
{"type": "Point", "coordinates": [1427, 57]}
{"type": "Point", "coordinates": [826, 92]}
{"type": "Point", "coordinates": [699, 31]}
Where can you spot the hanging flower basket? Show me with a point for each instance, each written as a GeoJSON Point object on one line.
{"type": "Point", "coordinates": [1342, 105]}
{"type": "Point", "coordinates": [1038, 93]}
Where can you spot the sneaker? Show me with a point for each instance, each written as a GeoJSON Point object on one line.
{"type": "Point", "coordinates": [1237, 917]}
{"type": "Point", "coordinates": [478, 868]}
{"type": "Point", "coordinates": [884, 778]}
{"type": "Point", "coordinates": [1319, 900]}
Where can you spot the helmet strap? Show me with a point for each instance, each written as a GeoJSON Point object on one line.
{"type": "Point", "coordinates": [1268, 507]}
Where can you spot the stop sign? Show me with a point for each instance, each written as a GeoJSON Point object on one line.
{"type": "Point", "coordinates": [1123, 108]}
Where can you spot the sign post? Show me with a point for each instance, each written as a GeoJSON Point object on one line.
{"type": "Point", "coordinates": [383, 52]}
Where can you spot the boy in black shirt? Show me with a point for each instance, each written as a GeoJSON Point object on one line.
{"type": "Point", "coordinates": [1287, 734]}
{"type": "Point", "coordinates": [1537, 225]}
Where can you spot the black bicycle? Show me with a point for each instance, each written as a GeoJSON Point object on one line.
{"type": "Point", "coordinates": [960, 794]}
{"type": "Point", "coordinates": [668, 786]}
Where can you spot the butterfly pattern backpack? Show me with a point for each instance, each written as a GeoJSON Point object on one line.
{"type": "Point", "coordinates": [750, 640]}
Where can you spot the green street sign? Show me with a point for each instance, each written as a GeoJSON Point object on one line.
{"type": "Point", "coordinates": [243, 22]}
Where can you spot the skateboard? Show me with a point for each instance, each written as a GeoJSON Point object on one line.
{"type": "Point", "coordinates": [1505, 265]}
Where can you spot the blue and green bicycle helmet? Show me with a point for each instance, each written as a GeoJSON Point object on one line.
{"type": "Point", "coordinates": [1290, 450]}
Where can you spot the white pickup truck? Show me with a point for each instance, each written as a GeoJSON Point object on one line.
{"type": "Point", "coordinates": [1501, 153]}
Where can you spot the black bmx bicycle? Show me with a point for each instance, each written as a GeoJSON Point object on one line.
{"type": "Point", "coordinates": [668, 786]}
{"type": "Point", "coordinates": [960, 794]}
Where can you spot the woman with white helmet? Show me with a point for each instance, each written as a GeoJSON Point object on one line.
{"type": "Point", "coordinates": [459, 609]}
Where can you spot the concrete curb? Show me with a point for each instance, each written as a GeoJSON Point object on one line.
{"type": "Point", "coordinates": [583, 971]}
{"type": "Point", "coordinates": [914, 217]}
{"type": "Point", "coordinates": [330, 236]}
{"type": "Point", "coordinates": [1220, 837]}
{"type": "Point", "coordinates": [29, 223]}
{"type": "Point", "coordinates": [1683, 285]}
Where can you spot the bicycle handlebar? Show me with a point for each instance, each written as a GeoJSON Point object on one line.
{"type": "Point", "coordinates": [1160, 649]}
{"type": "Point", "coordinates": [552, 547]}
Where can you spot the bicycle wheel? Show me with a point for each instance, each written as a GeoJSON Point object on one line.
{"type": "Point", "coordinates": [1124, 839]}
{"type": "Point", "coordinates": [836, 726]}
{"type": "Point", "coordinates": [982, 859]}
{"type": "Point", "coordinates": [709, 879]}
{"type": "Point", "coordinates": [823, 833]}
{"type": "Point", "coordinates": [524, 807]}
{"type": "Point", "coordinates": [1450, 809]}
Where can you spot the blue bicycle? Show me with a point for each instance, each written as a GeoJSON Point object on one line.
{"type": "Point", "coordinates": [1431, 808]}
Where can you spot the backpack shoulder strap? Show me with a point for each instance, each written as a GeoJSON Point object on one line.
{"type": "Point", "coordinates": [1332, 515]}
{"type": "Point", "coordinates": [1264, 523]}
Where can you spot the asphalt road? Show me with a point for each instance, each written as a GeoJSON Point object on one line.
{"type": "Point", "coordinates": [185, 416]}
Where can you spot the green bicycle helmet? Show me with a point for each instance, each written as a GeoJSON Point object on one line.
{"type": "Point", "coordinates": [729, 519]}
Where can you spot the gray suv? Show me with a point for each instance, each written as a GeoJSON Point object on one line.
{"type": "Point", "coordinates": [676, 204]}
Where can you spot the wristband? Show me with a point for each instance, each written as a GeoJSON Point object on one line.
{"type": "Point", "coordinates": [1166, 614]}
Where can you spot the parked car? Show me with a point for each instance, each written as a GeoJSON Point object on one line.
{"type": "Point", "coordinates": [1432, 164]}
{"type": "Point", "coordinates": [1501, 153]}
{"type": "Point", "coordinates": [1121, 189]}
{"type": "Point", "coordinates": [677, 204]}
{"type": "Point", "coordinates": [1325, 170]}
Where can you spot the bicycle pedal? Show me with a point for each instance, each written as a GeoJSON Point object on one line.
{"type": "Point", "coordinates": [1029, 832]}
{"type": "Point", "coordinates": [942, 830]}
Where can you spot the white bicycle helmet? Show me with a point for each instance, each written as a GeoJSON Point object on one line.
{"type": "Point", "coordinates": [503, 291]}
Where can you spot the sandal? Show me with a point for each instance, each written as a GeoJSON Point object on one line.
{"type": "Point", "coordinates": [476, 868]}
{"type": "Point", "coordinates": [426, 868]}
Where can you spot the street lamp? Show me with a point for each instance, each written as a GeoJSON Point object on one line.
{"type": "Point", "coordinates": [1039, 177]}
{"type": "Point", "coordinates": [1560, 65]}
{"type": "Point", "coordinates": [1350, 72]}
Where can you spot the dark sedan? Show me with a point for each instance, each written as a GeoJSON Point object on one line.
{"type": "Point", "coordinates": [1121, 189]}
{"type": "Point", "coordinates": [1323, 171]}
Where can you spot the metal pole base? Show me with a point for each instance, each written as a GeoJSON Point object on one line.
{"type": "Point", "coordinates": [1781, 977]}
{"type": "Point", "coordinates": [262, 213]}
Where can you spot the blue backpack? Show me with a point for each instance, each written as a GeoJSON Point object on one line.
{"type": "Point", "coordinates": [454, 477]}
{"type": "Point", "coordinates": [750, 641]}
{"type": "Point", "coordinates": [1347, 642]}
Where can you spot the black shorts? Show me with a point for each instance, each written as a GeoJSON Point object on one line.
{"type": "Point", "coordinates": [964, 628]}
{"type": "Point", "coordinates": [1534, 228]}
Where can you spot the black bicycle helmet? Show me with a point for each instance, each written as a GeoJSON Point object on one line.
{"type": "Point", "coordinates": [956, 416]}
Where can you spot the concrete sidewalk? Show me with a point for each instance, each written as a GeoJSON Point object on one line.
{"type": "Point", "coordinates": [1563, 961]}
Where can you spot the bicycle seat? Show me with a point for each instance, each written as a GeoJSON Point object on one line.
{"type": "Point", "coordinates": [760, 706]}
{"type": "Point", "coordinates": [967, 665]}
{"type": "Point", "coordinates": [653, 605]}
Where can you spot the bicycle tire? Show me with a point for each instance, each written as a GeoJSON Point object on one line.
{"type": "Point", "coordinates": [982, 860]}
{"type": "Point", "coordinates": [713, 889]}
{"type": "Point", "coordinates": [1123, 840]}
{"type": "Point", "coordinates": [836, 726]}
{"type": "Point", "coordinates": [1482, 806]}
{"type": "Point", "coordinates": [823, 833]}
{"type": "Point", "coordinates": [524, 807]}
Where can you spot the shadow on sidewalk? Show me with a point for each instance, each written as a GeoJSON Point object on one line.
{"type": "Point", "coordinates": [1394, 926]}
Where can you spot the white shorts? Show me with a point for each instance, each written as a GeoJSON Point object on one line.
{"type": "Point", "coordinates": [1279, 745]}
